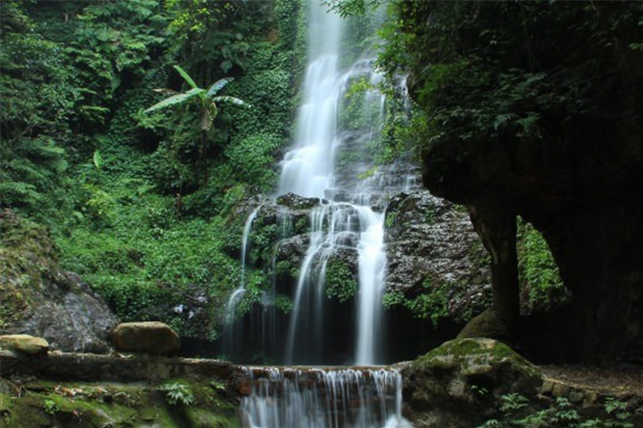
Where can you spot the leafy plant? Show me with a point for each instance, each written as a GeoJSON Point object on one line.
{"type": "Point", "coordinates": [341, 282]}
{"type": "Point", "coordinates": [51, 407]}
{"type": "Point", "coordinates": [207, 100]}
{"type": "Point", "coordinates": [538, 272]}
{"type": "Point", "coordinates": [479, 390]}
{"type": "Point", "coordinates": [177, 393]}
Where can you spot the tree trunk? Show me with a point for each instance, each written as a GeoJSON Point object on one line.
{"type": "Point", "coordinates": [202, 162]}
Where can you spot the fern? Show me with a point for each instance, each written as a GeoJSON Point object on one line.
{"type": "Point", "coordinates": [177, 393]}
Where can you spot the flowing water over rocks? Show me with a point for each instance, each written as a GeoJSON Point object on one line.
{"type": "Point", "coordinates": [315, 397]}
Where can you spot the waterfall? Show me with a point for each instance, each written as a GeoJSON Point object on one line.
{"type": "Point", "coordinates": [346, 223]}
{"type": "Point", "coordinates": [372, 264]}
{"type": "Point", "coordinates": [323, 398]}
{"type": "Point", "coordinates": [331, 162]}
{"type": "Point", "coordinates": [236, 296]}
{"type": "Point", "coordinates": [309, 170]}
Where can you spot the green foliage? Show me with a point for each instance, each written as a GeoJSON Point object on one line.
{"type": "Point", "coordinates": [391, 219]}
{"type": "Point", "coordinates": [283, 303]}
{"type": "Point", "coordinates": [207, 110]}
{"type": "Point", "coordinates": [51, 407]}
{"type": "Point", "coordinates": [431, 305]}
{"type": "Point", "coordinates": [356, 113]}
{"type": "Point", "coordinates": [347, 8]}
{"type": "Point", "coordinates": [177, 393]}
{"type": "Point", "coordinates": [341, 281]}
{"type": "Point", "coordinates": [517, 411]}
{"type": "Point", "coordinates": [143, 258]}
{"type": "Point", "coordinates": [117, 186]}
{"type": "Point", "coordinates": [486, 75]}
{"type": "Point", "coordinates": [208, 32]}
{"type": "Point", "coordinates": [538, 273]}
{"type": "Point", "coordinates": [617, 409]}
{"type": "Point", "coordinates": [253, 158]}
{"type": "Point", "coordinates": [512, 402]}
{"type": "Point", "coordinates": [479, 390]}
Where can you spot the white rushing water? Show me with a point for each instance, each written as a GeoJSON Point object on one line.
{"type": "Point", "coordinates": [372, 266]}
{"type": "Point", "coordinates": [316, 398]}
{"type": "Point", "coordinates": [309, 170]}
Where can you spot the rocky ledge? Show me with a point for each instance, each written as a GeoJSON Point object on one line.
{"type": "Point", "coordinates": [463, 383]}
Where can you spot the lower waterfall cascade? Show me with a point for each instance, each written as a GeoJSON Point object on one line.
{"type": "Point", "coordinates": [323, 398]}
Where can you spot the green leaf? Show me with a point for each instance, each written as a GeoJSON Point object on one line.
{"type": "Point", "coordinates": [216, 86]}
{"type": "Point", "coordinates": [231, 100]}
{"type": "Point", "coordinates": [176, 99]}
{"type": "Point", "coordinates": [186, 76]}
{"type": "Point", "coordinates": [98, 159]}
{"type": "Point", "coordinates": [501, 119]}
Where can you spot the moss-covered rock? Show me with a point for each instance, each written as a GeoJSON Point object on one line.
{"type": "Point", "coordinates": [435, 262]}
{"type": "Point", "coordinates": [457, 384]}
{"type": "Point", "coordinates": [484, 325]}
{"type": "Point", "coordinates": [24, 343]}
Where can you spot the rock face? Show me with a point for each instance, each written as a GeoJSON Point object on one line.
{"type": "Point", "coordinates": [147, 337]}
{"type": "Point", "coordinates": [457, 384]}
{"type": "Point", "coordinates": [40, 299]}
{"type": "Point", "coordinates": [431, 245]}
{"type": "Point", "coordinates": [24, 343]}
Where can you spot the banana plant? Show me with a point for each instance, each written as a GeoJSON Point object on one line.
{"type": "Point", "coordinates": [207, 100]}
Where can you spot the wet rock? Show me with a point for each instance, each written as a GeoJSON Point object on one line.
{"type": "Point", "coordinates": [147, 337]}
{"type": "Point", "coordinates": [297, 202]}
{"type": "Point", "coordinates": [25, 343]}
{"type": "Point", "coordinates": [431, 244]}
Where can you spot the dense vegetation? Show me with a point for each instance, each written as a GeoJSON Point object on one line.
{"type": "Point", "coordinates": [122, 190]}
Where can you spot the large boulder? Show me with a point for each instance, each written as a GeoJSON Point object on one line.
{"type": "Point", "coordinates": [459, 383]}
{"type": "Point", "coordinates": [149, 337]}
{"type": "Point", "coordinates": [40, 299]}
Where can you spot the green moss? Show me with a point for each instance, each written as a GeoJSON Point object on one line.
{"type": "Point", "coordinates": [433, 304]}
{"type": "Point", "coordinates": [465, 348]}
{"type": "Point", "coordinates": [109, 404]}
{"type": "Point", "coordinates": [27, 259]}
{"type": "Point", "coordinates": [283, 303]}
{"type": "Point", "coordinates": [391, 219]}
